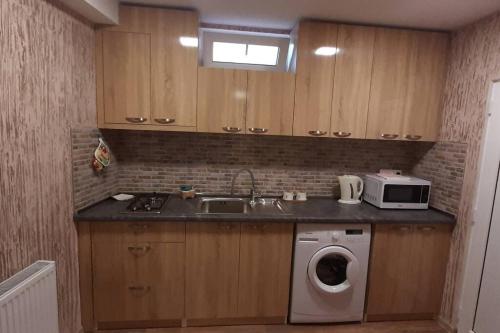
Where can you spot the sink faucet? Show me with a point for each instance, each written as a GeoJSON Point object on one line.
{"type": "Point", "coordinates": [253, 193]}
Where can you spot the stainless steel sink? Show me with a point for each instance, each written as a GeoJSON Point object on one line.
{"type": "Point", "coordinates": [235, 205]}
{"type": "Point", "coordinates": [224, 205]}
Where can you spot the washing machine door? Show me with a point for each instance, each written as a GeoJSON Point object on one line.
{"type": "Point", "coordinates": [333, 270]}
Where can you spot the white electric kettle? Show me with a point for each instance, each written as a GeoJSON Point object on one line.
{"type": "Point", "coordinates": [351, 188]}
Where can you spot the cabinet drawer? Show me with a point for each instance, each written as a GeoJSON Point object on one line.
{"type": "Point", "coordinates": [167, 232]}
{"type": "Point", "coordinates": [138, 282]}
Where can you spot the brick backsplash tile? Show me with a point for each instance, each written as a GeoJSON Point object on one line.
{"type": "Point", "coordinates": [88, 187]}
{"type": "Point", "coordinates": [161, 161]}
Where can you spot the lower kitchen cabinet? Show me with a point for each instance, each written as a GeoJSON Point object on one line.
{"type": "Point", "coordinates": [212, 255]}
{"type": "Point", "coordinates": [264, 273]}
{"type": "Point", "coordinates": [137, 284]}
{"type": "Point", "coordinates": [237, 274]}
{"type": "Point", "coordinates": [407, 271]}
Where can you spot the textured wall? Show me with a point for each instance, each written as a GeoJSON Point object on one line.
{"type": "Point", "coordinates": [475, 64]}
{"type": "Point", "coordinates": [90, 187]}
{"type": "Point", "coordinates": [47, 85]}
{"type": "Point", "coordinates": [148, 161]}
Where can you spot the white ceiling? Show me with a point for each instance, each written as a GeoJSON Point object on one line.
{"type": "Point", "coordinates": [283, 14]}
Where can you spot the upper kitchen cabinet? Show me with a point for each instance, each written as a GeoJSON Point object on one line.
{"type": "Point", "coordinates": [270, 103]}
{"type": "Point", "coordinates": [390, 83]}
{"type": "Point", "coordinates": [147, 70]}
{"type": "Point", "coordinates": [126, 66]}
{"type": "Point", "coordinates": [407, 84]}
{"type": "Point", "coordinates": [351, 87]}
{"type": "Point", "coordinates": [221, 100]}
{"type": "Point", "coordinates": [422, 119]}
{"type": "Point", "coordinates": [174, 68]}
{"type": "Point", "coordinates": [317, 47]}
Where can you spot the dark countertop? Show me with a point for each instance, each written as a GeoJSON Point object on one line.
{"type": "Point", "coordinates": [314, 210]}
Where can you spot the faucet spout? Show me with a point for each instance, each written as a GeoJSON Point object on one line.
{"type": "Point", "coordinates": [253, 192]}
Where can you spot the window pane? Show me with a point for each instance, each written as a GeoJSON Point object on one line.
{"type": "Point", "coordinates": [229, 52]}
{"type": "Point", "coordinates": [262, 55]}
{"type": "Point", "coordinates": [245, 54]}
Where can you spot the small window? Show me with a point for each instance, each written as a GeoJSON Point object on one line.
{"type": "Point", "coordinates": [245, 50]}
{"type": "Point", "coordinates": [245, 53]}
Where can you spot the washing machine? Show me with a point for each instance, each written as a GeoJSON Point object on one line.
{"type": "Point", "coordinates": [329, 273]}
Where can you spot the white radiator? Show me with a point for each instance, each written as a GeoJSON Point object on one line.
{"type": "Point", "coordinates": [28, 300]}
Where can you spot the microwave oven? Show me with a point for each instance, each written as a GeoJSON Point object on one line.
{"type": "Point", "coordinates": [397, 192]}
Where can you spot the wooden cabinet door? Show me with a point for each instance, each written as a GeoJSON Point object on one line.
{"type": "Point", "coordinates": [407, 271]}
{"type": "Point", "coordinates": [138, 282]}
{"type": "Point", "coordinates": [314, 78]}
{"type": "Point", "coordinates": [270, 99]}
{"type": "Point", "coordinates": [430, 257]}
{"type": "Point", "coordinates": [422, 119]}
{"type": "Point", "coordinates": [126, 64]}
{"type": "Point", "coordinates": [174, 68]}
{"type": "Point", "coordinates": [391, 277]}
{"type": "Point", "coordinates": [392, 64]}
{"type": "Point", "coordinates": [212, 256]}
{"type": "Point", "coordinates": [351, 87]}
{"type": "Point", "coordinates": [221, 100]}
{"type": "Point", "coordinates": [265, 266]}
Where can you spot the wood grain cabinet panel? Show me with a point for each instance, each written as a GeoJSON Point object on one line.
{"type": "Point", "coordinates": [407, 271]}
{"type": "Point", "coordinates": [221, 100]}
{"type": "Point", "coordinates": [409, 70]}
{"type": "Point", "coordinates": [389, 84]}
{"type": "Point", "coordinates": [351, 88]}
{"type": "Point", "coordinates": [138, 284]}
{"type": "Point", "coordinates": [270, 101]}
{"type": "Point", "coordinates": [166, 232]}
{"type": "Point", "coordinates": [174, 68]}
{"type": "Point", "coordinates": [422, 119]}
{"type": "Point", "coordinates": [126, 75]}
{"type": "Point", "coordinates": [264, 273]}
{"type": "Point", "coordinates": [146, 78]}
{"type": "Point", "coordinates": [212, 256]}
{"type": "Point", "coordinates": [314, 79]}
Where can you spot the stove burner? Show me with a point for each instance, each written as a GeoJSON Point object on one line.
{"type": "Point", "coordinates": [147, 203]}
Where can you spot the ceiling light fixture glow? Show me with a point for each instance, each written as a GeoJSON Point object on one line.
{"type": "Point", "coordinates": [188, 41]}
{"type": "Point", "coordinates": [326, 51]}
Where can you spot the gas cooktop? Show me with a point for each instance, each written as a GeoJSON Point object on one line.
{"type": "Point", "coordinates": [147, 203]}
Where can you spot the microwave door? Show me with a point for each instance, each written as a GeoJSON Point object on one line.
{"type": "Point", "coordinates": [402, 193]}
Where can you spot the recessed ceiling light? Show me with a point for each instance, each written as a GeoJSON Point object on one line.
{"type": "Point", "coordinates": [188, 41]}
{"type": "Point", "coordinates": [326, 51]}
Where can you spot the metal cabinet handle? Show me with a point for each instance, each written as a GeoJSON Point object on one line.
{"type": "Point", "coordinates": [258, 130]}
{"type": "Point", "coordinates": [342, 134]}
{"type": "Point", "coordinates": [317, 133]}
{"type": "Point", "coordinates": [427, 228]}
{"type": "Point", "coordinates": [137, 289]}
{"type": "Point", "coordinates": [413, 137]}
{"type": "Point", "coordinates": [231, 129]}
{"type": "Point", "coordinates": [389, 136]}
{"type": "Point", "coordinates": [139, 250]}
{"type": "Point", "coordinates": [136, 120]}
{"type": "Point", "coordinates": [403, 228]}
{"type": "Point", "coordinates": [165, 121]}
{"type": "Point", "coordinates": [138, 228]}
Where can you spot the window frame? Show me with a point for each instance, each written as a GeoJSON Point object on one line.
{"type": "Point", "coordinates": [209, 36]}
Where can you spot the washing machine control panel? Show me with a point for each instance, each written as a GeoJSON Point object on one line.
{"type": "Point", "coordinates": [336, 236]}
{"type": "Point", "coordinates": [352, 234]}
